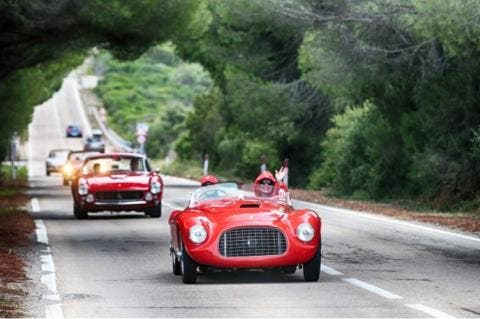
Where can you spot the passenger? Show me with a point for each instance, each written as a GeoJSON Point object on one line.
{"type": "Point", "coordinates": [208, 180]}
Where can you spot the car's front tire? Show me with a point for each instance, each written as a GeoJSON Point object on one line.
{"type": "Point", "coordinates": [189, 268]}
{"type": "Point", "coordinates": [79, 212]}
{"type": "Point", "coordinates": [176, 267]}
{"type": "Point", "coordinates": [311, 269]}
{"type": "Point", "coordinates": [155, 211]}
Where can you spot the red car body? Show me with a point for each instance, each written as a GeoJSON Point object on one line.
{"type": "Point", "coordinates": [244, 232]}
{"type": "Point", "coordinates": [117, 187]}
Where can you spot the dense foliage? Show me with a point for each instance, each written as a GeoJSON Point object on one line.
{"type": "Point", "coordinates": [400, 79]}
{"type": "Point", "coordinates": [41, 41]}
{"type": "Point", "coordinates": [157, 88]}
{"type": "Point", "coordinates": [370, 98]}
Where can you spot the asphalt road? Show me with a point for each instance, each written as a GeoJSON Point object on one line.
{"type": "Point", "coordinates": [118, 265]}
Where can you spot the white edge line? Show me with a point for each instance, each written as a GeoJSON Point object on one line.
{"type": "Point", "coordinates": [54, 311]}
{"type": "Point", "coordinates": [34, 205]}
{"type": "Point", "coordinates": [430, 311]}
{"type": "Point", "coordinates": [376, 290]}
{"type": "Point", "coordinates": [41, 232]}
{"type": "Point", "coordinates": [48, 278]}
{"type": "Point", "coordinates": [330, 271]}
{"type": "Point", "coordinates": [394, 221]}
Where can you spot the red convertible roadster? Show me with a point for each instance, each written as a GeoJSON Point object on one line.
{"type": "Point", "coordinates": [227, 227]}
{"type": "Point", "coordinates": [117, 182]}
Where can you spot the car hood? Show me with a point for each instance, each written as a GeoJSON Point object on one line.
{"type": "Point", "coordinates": [242, 211]}
{"type": "Point", "coordinates": [119, 182]}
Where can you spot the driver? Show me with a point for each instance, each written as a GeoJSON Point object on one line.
{"type": "Point", "coordinates": [266, 185]}
{"type": "Point", "coordinates": [134, 164]}
{"type": "Point", "coordinates": [208, 180]}
{"type": "Point", "coordinates": [96, 169]}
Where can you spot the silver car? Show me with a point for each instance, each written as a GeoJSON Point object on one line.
{"type": "Point", "coordinates": [55, 160]}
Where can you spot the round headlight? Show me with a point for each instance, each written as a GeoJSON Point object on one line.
{"type": "Point", "coordinates": [155, 187]}
{"type": "Point", "coordinates": [198, 234]}
{"type": "Point", "coordinates": [305, 232]}
{"type": "Point", "coordinates": [82, 187]}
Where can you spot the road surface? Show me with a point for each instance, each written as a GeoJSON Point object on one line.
{"type": "Point", "coordinates": [118, 265]}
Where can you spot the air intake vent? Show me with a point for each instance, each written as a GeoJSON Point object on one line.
{"type": "Point", "coordinates": [252, 241]}
{"type": "Point", "coordinates": [253, 205]}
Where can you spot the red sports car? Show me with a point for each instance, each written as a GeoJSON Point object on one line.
{"type": "Point", "coordinates": [227, 227]}
{"type": "Point", "coordinates": [117, 182]}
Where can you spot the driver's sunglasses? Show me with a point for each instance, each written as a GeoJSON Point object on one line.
{"type": "Point", "coordinates": [266, 182]}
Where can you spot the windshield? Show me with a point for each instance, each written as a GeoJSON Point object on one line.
{"type": "Point", "coordinates": [231, 191]}
{"type": "Point", "coordinates": [117, 163]}
{"type": "Point", "coordinates": [220, 191]}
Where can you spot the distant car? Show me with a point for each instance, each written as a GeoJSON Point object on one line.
{"type": "Point", "coordinates": [74, 131]}
{"type": "Point", "coordinates": [73, 164]}
{"type": "Point", "coordinates": [95, 142]}
{"type": "Point", "coordinates": [55, 160]}
{"type": "Point", "coordinates": [228, 227]}
{"type": "Point", "coordinates": [117, 182]}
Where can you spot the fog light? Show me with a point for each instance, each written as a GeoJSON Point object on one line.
{"type": "Point", "coordinates": [90, 198]}
{"type": "Point", "coordinates": [148, 196]}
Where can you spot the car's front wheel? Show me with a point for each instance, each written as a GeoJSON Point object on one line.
{"type": "Point", "coordinates": [311, 269]}
{"type": "Point", "coordinates": [176, 267]}
{"type": "Point", "coordinates": [79, 212]}
{"type": "Point", "coordinates": [189, 268]}
{"type": "Point", "coordinates": [155, 211]}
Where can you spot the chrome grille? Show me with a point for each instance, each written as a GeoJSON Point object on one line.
{"type": "Point", "coordinates": [119, 196]}
{"type": "Point", "coordinates": [252, 241]}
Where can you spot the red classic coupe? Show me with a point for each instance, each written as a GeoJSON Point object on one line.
{"type": "Point", "coordinates": [117, 182]}
{"type": "Point", "coordinates": [228, 227]}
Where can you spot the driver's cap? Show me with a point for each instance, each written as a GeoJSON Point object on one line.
{"type": "Point", "coordinates": [208, 180]}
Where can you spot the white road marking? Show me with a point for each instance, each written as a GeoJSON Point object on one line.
{"type": "Point", "coordinates": [330, 271]}
{"type": "Point", "coordinates": [54, 311]}
{"type": "Point", "coordinates": [398, 222]}
{"type": "Point", "coordinates": [41, 232]}
{"type": "Point", "coordinates": [48, 278]}
{"type": "Point", "coordinates": [47, 263]}
{"type": "Point", "coordinates": [50, 282]}
{"type": "Point", "coordinates": [379, 291]}
{"type": "Point", "coordinates": [430, 311]}
{"type": "Point", "coordinates": [34, 206]}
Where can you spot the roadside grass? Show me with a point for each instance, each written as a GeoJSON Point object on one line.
{"type": "Point", "coordinates": [16, 225]}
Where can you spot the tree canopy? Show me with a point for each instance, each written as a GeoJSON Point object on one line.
{"type": "Point", "coordinates": [370, 98]}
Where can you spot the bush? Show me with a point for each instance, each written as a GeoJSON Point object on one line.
{"type": "Point", "coordinates": [363, 155]}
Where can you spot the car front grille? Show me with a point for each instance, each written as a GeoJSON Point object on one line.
{"type": "Point", "coordinates": [119, 196]}
{"type": "Point", "coordinates": [252, 241]}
